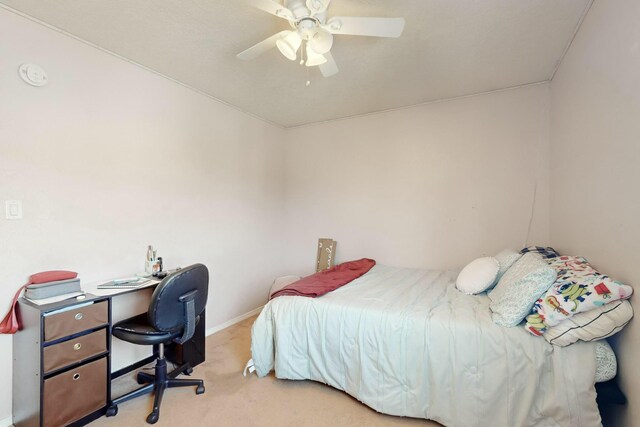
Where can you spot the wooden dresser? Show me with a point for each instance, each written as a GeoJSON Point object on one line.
{"type": "Point", "coordinates": [61, 362]}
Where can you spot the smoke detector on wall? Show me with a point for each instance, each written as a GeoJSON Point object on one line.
{"type": "Point", "coordinates": [33, 74]}
{"type": "Point", "coordinates": [312, 32]}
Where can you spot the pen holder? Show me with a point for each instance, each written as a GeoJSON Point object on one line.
{"type": "Point", "coordinates": [152, 267]}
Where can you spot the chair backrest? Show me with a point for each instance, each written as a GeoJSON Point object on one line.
{"type": "Point", "coordinates": [179, 299]}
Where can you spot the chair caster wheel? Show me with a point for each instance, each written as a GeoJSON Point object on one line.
{"type": "Point", "coordinates": [200, 389]}
{"type": "Point", "coordinates": [153, 418]}
{"type": "Point", "coordinates": [112, 411]}
{"type": "Point", "coordinates": [188, 371]}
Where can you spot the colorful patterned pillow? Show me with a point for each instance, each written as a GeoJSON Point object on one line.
{"type": "Point", "coordinates": [519, 288]}
{"type": "Point", "coordinates": [578, 288]}
{"type": "Point", "coordinates": [547, 252]}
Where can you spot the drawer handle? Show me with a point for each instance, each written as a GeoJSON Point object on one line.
{"type": "Point", "coordinates": [76, 377]}
{"type": "Point", "coordinates": [79, 316]}
{"type": "Point", "coordinates": [77, 346]}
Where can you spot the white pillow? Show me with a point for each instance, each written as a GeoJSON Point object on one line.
{"type": "Point", "coordinates": [478, 275]}
{"type": "Point", "coordinates": [592, 325]}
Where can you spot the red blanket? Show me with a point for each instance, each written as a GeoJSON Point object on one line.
{"type": "Point", "coordinates": [328, 280]}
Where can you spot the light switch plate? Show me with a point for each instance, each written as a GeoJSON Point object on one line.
{"type": "Point", "coordinates": [13, 209]}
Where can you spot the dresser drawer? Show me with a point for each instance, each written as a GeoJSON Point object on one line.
{"type": "Point", "coordinates": [65, 353]}
{"type": "Point", "coordinates": [70, 322]}
{"type": "Point", "coordinates": [69, 396]}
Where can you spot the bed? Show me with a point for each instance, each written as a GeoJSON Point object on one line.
{"type": "Point", "coordinates": [406, 342]}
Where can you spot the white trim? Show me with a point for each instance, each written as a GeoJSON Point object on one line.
{"type": "Point", "coordinates": [573, 37]}
{"type": "Point", "coordinates": [144, 67]}
{"type": "Point", "coordinates": [278, 125]}
{"type": "Point", "coordinates": [8, 422]}
{"type": "Point", "coordinates": [233, 321]}
{"type": "Point", "coordinates": [420, 104]}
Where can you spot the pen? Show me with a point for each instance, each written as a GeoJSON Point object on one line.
{"type": "Point", "coordinates": [124, 281]}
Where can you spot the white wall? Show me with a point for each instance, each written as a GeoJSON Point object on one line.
{"type": "Point", "coordinates": [595, 161]}
{"type": "Point", "coordinates": [109, 158]}
{"type": "Point", "coordinates": [434, 186]}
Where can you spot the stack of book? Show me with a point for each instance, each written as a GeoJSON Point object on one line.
{"type": "Point", "coordinates": [48, 290]}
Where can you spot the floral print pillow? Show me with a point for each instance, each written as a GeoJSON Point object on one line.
{"type": "Point", "coordinates": [519, 288]}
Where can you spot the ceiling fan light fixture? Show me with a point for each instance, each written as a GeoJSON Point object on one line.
{"type": "Point", "coordinates": [314, 58]}
{"type": "Point", "coordinates": [289, 45]}
{"type": "Point", "coordinates": [310, 24]}
{"type": "Point", "coordinates": [322, 41]}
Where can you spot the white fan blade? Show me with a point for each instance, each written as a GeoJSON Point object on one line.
{"type": "Point", "coordinates": [260, 48]}
{"type": "Point", "coordinates": [374, 27]}
{"type": "Point", "coordinates": [317, 6]}
{"type": "Point", "coordinates": [272, 7]}
{"type": "Point", "coordinates": [330, 67]}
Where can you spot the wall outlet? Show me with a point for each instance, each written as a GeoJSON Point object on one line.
{"type": "Point", "coordinates": [13, 209]}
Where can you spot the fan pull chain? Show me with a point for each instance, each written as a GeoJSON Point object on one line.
{"type": "Point", "coordinates": [308, 79]}
{"type": "Point", "coordinates": [302, 52]}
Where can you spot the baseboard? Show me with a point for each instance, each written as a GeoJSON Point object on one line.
{"type": "Point", "coordinates": [231, 322]}
{"type": "Point", "coordinates": [8, 422]}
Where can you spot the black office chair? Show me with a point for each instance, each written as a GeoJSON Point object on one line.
{"type": "Point", "coordinates": [176, 305]}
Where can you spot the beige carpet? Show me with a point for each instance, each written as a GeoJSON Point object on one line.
{"type": "Point", "coordinates": [233, 400]}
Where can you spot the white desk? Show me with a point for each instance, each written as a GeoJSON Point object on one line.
{"type": "Point", "coordinates": [126, 303]}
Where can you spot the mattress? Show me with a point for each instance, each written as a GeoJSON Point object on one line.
{"type": "Point", "coordinates": [406, 342]}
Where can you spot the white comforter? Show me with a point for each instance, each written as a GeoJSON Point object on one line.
{"type": "Point", "coordinates": [406, 342]}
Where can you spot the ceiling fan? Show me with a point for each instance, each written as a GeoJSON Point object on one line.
{"type": "Point", "coordinates": [310, 25]}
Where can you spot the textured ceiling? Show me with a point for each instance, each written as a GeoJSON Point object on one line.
{"type": "Point", "coordinates": [449, 48]}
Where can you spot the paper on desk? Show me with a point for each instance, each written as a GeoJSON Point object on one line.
{"type": "Point", "coordinates": [57, 298]}
{"type": "Point", "coordinates": [114, 290]}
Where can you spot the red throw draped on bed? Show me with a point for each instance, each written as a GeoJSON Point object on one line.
{"type": "Point", "coordinates": [328, 280]}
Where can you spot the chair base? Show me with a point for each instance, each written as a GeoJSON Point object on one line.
{"type": "Point", "coordinates": [158, 383]}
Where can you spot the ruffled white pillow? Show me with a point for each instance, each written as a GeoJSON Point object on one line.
{"type": "Point", "coordinates": [478, 275]}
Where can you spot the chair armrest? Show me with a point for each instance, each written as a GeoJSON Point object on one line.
{"type": "Point", "coordinates": [189, 306]}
